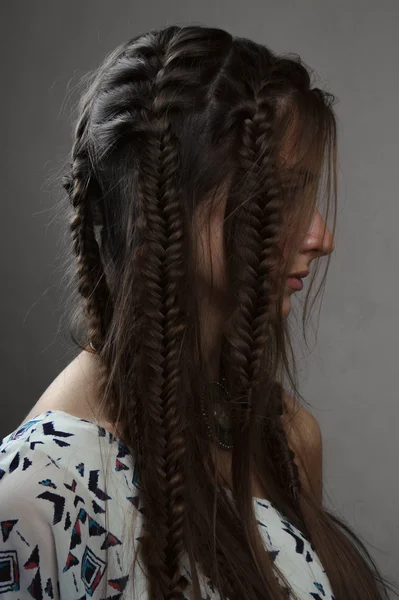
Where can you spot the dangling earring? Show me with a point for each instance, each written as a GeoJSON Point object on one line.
{"type": "Point", "coordinates": [217, 414]}
{"type": "Point", "coordinates": [92, 347]}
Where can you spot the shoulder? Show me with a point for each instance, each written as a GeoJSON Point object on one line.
{"type": "Point", "coordinates": [30, 502]}
{"type": "Point", "coordinates": [305, 439]}
{"type": "Point", "coordinates": [53, 502]}
{"type": "Point", "coordinates": [27, 500]}
{"type": "Point", "coordinates": [34, 457]}
{"type": "Point", "coordinates": [39, 461]}
{"type": "Point", "coordinates": [300, 423]}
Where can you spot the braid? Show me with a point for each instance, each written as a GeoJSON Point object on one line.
{"type": "Point", "coordinates": [173, 336]}
{"type": "Point", "coordinates": [265, 220]}
{"type": "Point", "coordinates": [259, 225]}
{"type": "Point", "coordinates": [262, 220]}
{"type": "Point", "coordinates": [161, 266]}
{"type": "Point", "coordinates": [92, 283]}
{"type": "Point", "coordinates": [291, 471]}
{"type": "Point", "coordinates": [257, 134]}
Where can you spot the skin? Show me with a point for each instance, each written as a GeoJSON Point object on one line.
{"type": "Point", "coordinates": [317, 243]}
{"type": "Point", "coordinates": [74, 389]}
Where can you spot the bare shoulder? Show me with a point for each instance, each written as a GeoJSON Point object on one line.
{"type": "Point", "coordinates": [301, 424]}
{"type": "Point", "coordinates": [305, 439]}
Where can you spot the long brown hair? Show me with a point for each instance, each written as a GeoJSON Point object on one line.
{"type": "Point", "coordinates": [173, 121]}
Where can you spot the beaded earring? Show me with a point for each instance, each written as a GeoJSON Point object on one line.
{"type": "Point", "coordinates": [215, 413]}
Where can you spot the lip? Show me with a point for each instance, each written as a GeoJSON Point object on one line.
{"type": "Point", "coordinates": [295, 283]}
{"type": "Point", "coordinates": [295, 280]}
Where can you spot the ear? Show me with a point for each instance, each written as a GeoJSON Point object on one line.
{"type": "Point", "coordinates": [305, 439]}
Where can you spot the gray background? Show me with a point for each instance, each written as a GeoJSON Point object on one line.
{"type": "Point", "coordinates": [351, 377]}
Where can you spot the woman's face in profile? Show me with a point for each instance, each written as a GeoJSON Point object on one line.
{"type": "Point", "coordinates": [317, 242]}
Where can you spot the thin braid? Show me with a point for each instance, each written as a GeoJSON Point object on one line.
{"type": "Point", "coordinates": [260, 224]}
{"type": "Point", "coordinates": [162, 268]}
{"type": "Point", "coordinates": [257, 134]}
{"type": "Point", "coordinates": [173, 336]}
{"type": "Point", "coordinates": [291, 470]}
{"type": "Point", "coordinates": [92, 283]}
{"type": "Point", "coordinates": [263, 221]}
{"type": "Point", "coordinates": [258, 159]}
{"type": "Point", "coordinates": [151, 286]}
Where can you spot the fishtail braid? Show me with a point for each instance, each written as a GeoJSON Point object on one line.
{"type": "Point", "coordinates": [92, 284]}
{"type": "Point", "coordinates": [161, 265]}
{"type": "Point", "coordinates": [287, 455]}
{"type": "Point", "coordinates": [262, 218]}
{"type": "Point", "coordinates": [260, 222]}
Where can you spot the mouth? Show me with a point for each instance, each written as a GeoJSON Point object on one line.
{"type": "Point", "coordinates": [295, 280]}
{"type": "Point", "coordinates": [295, 283]}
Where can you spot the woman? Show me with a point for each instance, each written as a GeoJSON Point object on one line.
{"type": "Point", "coordinates": [198, 168]}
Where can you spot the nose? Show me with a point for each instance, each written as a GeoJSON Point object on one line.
{"type": "Point", "coordinates": [319, 240]}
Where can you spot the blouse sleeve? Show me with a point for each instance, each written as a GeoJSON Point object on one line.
{"type": "Point", "coordinates": [28, 560]}
{"type": "Point", "coordinates": [68, 529]}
